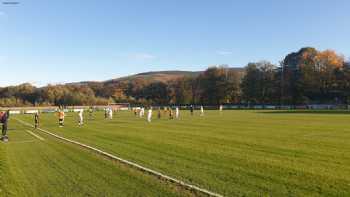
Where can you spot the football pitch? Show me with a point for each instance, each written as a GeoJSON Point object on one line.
{"type": "Point", "coordinates": [233, 153]}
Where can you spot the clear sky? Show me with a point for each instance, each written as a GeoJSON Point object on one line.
{"type": "Point", "coordinates": [56, 41]}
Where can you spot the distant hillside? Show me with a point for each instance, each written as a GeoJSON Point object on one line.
{"type": "Point", "coordinates": [162, 76]}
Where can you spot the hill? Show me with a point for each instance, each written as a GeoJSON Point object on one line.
{"type": "Point", "coordinates": [154, 76]}
{"type": "Point", "coordinates": [163, 76]}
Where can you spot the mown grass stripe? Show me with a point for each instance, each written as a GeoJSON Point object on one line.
{"type": "Point", "coordinates": [135, 165]}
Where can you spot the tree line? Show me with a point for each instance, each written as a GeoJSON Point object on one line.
{"type": "Point", "coordinates": [307, 76]}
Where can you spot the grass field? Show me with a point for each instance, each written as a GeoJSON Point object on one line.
{"type": "Point", "coordinates": [237, 153]}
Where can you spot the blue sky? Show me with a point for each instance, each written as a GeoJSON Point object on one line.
{"type": "Point", "coordinates": [64, 41]}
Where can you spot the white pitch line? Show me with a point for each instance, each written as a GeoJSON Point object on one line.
{"type": "Point", "coordinates": [132, 164]}
{"type": "Point", "coordinates": [35, 135]}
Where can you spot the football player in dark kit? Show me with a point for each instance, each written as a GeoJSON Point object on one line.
{"type": "Point", "coordinates": [191, 109]}
{"type": "Point", "coordinates": [4, 119]}
{"type": "Point", "coordinates": [36, 120]}
{"type": "Point", "coordinates": [8, 114]}
{"type": "Point", "coordinates": [171, 114]}
{"type": "Point", "coordinates": [159, 113]}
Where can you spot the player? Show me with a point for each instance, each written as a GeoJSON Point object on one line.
{"type": "Point", "coordinates": [4, 120]}
{"type": "Point", "coordinates": [191, 110]}
{"type": "Point", "coordinates": [91, 111]}
{"type": "Point", "coordinates": [159, 113]}
{"type": "Point", "coordinates": [81, 118]}
{"type": "Point", "coordinates": [142, 112]}
{"type": "Point", "coordinates": [36, 120]}
{"type": "Point", "coordinates": [149, 115]}
{"type": "Point", "coordinates": [8, 114]}
{"type": "Point", "coordinates": [110, 114]}
{"type": "Point", "coordinates": [221, 108]}
{"type": "Point", "coordinates": [171, 114]}
{"type": "Point", "coordinates": [61, 118]}
{"type": "Point", "coordinates": [177, 112]}
{"type": "Point", "coordinates": [202, 110]}
{"type": "Point", "coordinates": [106, 113]}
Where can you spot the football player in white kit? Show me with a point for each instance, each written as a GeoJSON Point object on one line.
{"type": "Point", "coordinates": [81, 118]}
{"type": "Point", "coordinates": [177, 113]}
{"type": "Point", "coordinates": [202, 110]}
{"type": "Point", "coordinates": [149, 115]}
{"type": "Point", "coordinates": [110, 113]}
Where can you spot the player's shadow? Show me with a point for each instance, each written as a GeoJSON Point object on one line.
{"type": "Point", "coordinates": [12, 129]}
{"type": "Point", "coordinates": [116, 122]}
{"type": "Point", "coordinates": [334, 112]}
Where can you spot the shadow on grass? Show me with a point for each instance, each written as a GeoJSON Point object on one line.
{"type": "Point", "coordinates": [11, 129]}
{"type": "Point", "coordinates": [307, 112]}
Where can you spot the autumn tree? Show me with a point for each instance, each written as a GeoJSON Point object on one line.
{"type": "Point", "coordinates": [258, 85]}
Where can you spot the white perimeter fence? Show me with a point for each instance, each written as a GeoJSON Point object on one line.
{"type": "Point", "coordinates": [53, 109]}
